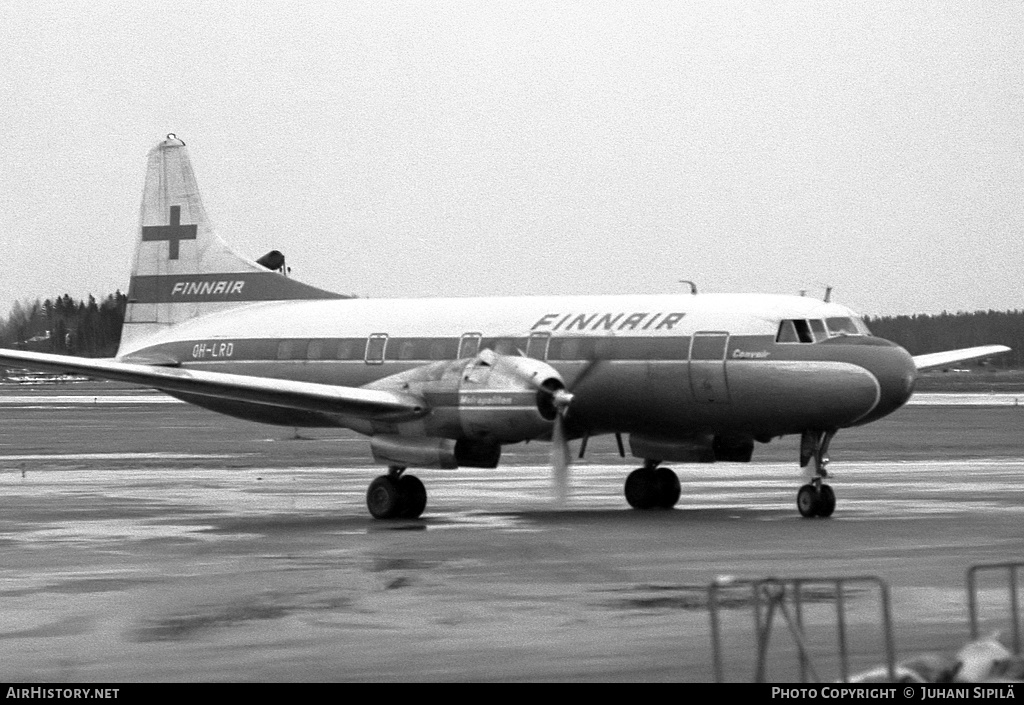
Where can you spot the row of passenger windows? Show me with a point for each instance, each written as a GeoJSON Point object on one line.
{"type": "Point", "coordinates": [379, 347]}
{"type": "Point", "coordinates": [815, 330]}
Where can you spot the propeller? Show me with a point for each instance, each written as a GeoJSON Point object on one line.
{"type": "Point", "coordinates": [561, 400]}
{"type": "Point", "coordinates": [555, 401]}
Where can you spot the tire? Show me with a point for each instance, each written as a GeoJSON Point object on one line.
{"type": "Point", "coordinates": [383, 498]}
{"type": "Point", "coordinates": [641, 489]}
{"type": "Point", "coordinates": [826, 501]}
{"type": "Point", "coordinates": [413, 497]}
{"type": "Point", "coordinates": [807, 501]}
{"type": "Point", "coordinates": [667, 488]}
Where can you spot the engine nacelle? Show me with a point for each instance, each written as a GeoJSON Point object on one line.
{"type": "Point", "coordinates": [698, 448]}
{"type": "Point", "coordinates": [426, 452]}
{"type": "Point", "coordinates": [694, 449]}
{"type": "Point", "coordinates": [489, 399]}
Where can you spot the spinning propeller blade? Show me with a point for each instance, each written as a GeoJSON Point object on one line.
{"type": "Point", "coordinates": [560, 461]}
{"type": "Point", "coordinates": [561, 400]}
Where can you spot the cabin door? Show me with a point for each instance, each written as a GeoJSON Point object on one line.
{"type": "Point", "coordinates": [707, 367]}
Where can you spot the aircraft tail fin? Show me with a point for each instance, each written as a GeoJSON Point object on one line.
{"type": "Point", "coordinates": [182, 269]}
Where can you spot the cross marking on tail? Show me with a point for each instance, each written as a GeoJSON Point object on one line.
{"type": "Point", "coordinates": [173, 233]}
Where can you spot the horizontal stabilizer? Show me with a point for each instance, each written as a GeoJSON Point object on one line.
{"type": "Point", "coordinates": [308, 396]}
{"type": "Point", "coordinates": [948, 357]}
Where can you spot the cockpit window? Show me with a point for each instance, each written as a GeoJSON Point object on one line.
{"type": "Point", "coordinates": [794, 331]}
{"type": "Point", "coordinates": [787, 333]}
{"type": "Point", "coordinates": [818, 326]}
{"type": "Point", "coordinates": [803, 331]}
{"type": "Point", "coordinates": [841, 325]}
{"type": "Point", "coordinates": [799, 330]}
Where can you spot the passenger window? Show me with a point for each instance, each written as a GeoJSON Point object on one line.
{"type": "Point", "coordinates": [316, 349]}
{"type": "Point", "coordinates": [502, 346]}
{"type": "Point", "coordinates": [347, 350]}
{"type": "Point", "coordinates": [570, 349]}
{"type": "Point", "coordinates": [292, 349]}
{"type": "Point", "coordinates": [375, 346]}
{"type": "Point", "coordinates": [407, 351]}
{"type": "Point", "coordinates": [439, 350]}
{"type": "Point", "coordinates": [537, 345]}
{"type": "Point", "coordinates": [469, 346]}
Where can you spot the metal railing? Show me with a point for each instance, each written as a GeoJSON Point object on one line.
{"type": "Point", "coordinates": [771, 596]}
{"type": "Point", "coordinates": [972, 596]}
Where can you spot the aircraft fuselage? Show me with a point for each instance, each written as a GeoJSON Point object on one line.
{"type": "Point", "coordinates": [666, 365]}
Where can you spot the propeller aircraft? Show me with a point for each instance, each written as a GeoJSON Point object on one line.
{"type": "Point", "coordinates": [447, 382]}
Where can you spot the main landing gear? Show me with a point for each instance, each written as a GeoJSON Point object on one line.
{"type": "Point", "coordinates": [652, 487]}
{"type": "Point", "coordinates": [396, 496]}
{"type": "Point", "coordinates": [816, 499]}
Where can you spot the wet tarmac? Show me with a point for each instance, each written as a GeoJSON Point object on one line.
{"type": "Point", "coordinates": [162, 542]}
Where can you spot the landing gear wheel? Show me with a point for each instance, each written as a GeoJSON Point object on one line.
{"type": "Point", "coordinates": [667, 487]}
{"type": "Point", "coordinates": [413, 497]}
{"type": "Point", "coordinates": [816, 501]}
{"type": "Point", "coordinates": [826, 501]}
{"type": "Point", "coordinates": [383, 498]}
{"type": "Point", "coordinates": [642, 488]}
{"type": "Point", "coordinates": [807, 501]}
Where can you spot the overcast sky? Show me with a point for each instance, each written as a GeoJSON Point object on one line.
{"type": "Point", "coordinates": [489, 148]}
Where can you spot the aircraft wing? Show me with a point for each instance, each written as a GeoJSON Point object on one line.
{"type": "Point", "coordinates": [948, 357]}
{"type": "Point", "coordinates": [308, 396]}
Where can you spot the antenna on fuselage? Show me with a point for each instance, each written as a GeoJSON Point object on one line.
{"type": "Point", "coordinates": [828, 292]}
{"type": "Point", "coordinates": [693, 287]}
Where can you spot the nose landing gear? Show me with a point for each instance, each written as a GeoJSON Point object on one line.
{"type": "Point", "coordinates": [816, 499]}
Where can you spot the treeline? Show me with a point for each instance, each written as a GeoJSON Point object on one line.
{"type": "Point", "coordinates": [65, 326]}
{"type": "Point", "coordinates": [922, 334]}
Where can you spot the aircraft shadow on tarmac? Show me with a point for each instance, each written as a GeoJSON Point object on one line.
{"type": "Point", "coordinates": [629, 517]}
{"type": "Point", "coordinates": [540, 518]}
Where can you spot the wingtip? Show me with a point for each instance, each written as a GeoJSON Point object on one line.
{"type": "Point", "coordinates": [948, 357]}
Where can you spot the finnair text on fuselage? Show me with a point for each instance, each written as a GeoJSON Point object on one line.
{"type": "Point", "coordinates": [608, 321]}
{"type": "Point", "coordinates": [189, 288]}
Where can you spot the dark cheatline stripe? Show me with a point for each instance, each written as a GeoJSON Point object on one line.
{"type": "Point", "coordinates": [228, 286]}
{"type": "Point", "coordinates": [420, 350]}
{"type": "Point", "coordinates": [423, 349]}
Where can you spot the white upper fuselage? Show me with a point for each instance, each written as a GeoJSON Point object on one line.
{"type": "Point", "coordinates": [633, 315]}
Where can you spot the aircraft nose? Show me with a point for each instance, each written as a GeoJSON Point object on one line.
{"type": "Point", "coordinates": [896, 374]}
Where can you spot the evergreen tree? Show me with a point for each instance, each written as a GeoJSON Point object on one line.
{"type": "Point", "coordinates": [65, 326]}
